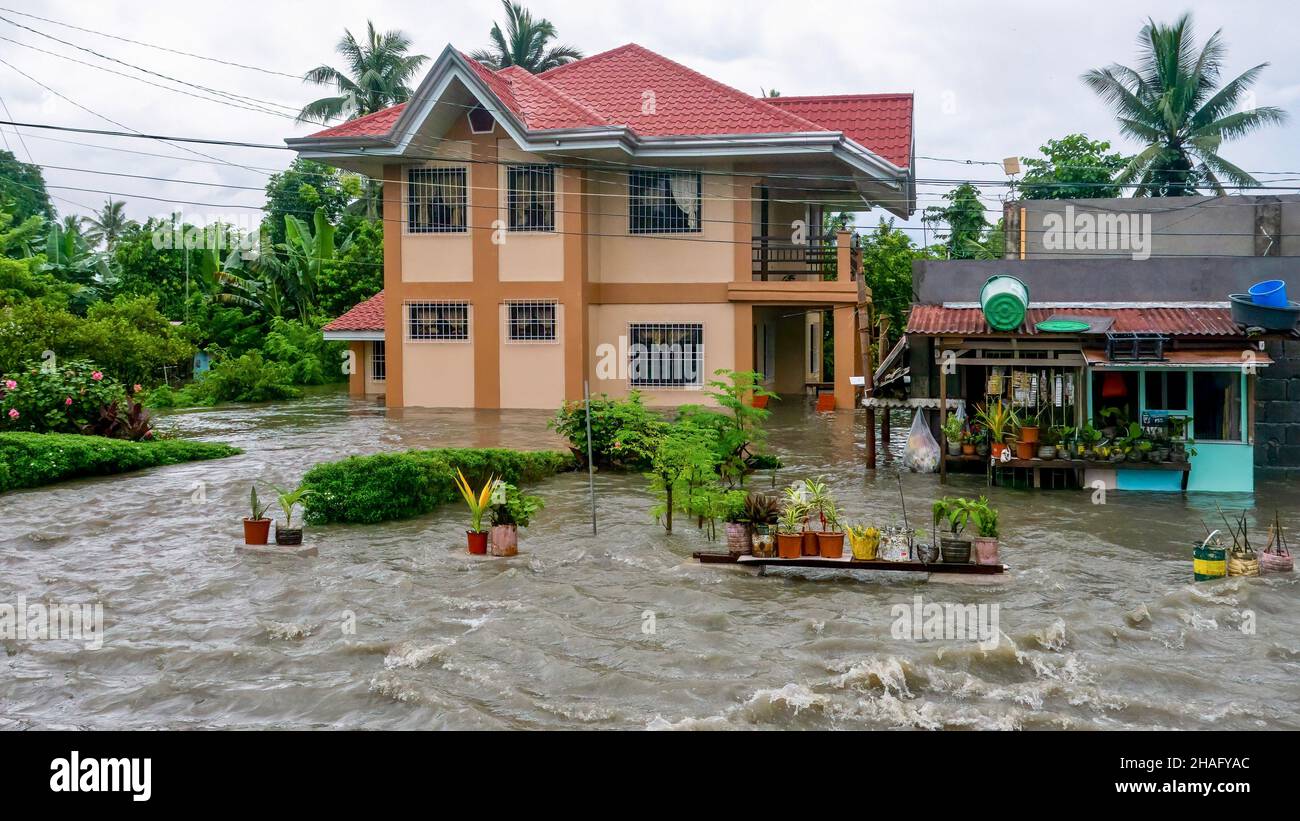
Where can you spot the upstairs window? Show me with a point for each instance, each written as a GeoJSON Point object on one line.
{"type": "Point", "coordinates": [664, 202]}
{"type": "Point", "coordinates": [531, 197]}
{"type": "Point", "coordinates": [435, 200]}
{"type": "Point", "coordinates": [437, 321]}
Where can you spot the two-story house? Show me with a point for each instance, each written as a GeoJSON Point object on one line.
{"type": "Point", "coordinates": [621, 219]}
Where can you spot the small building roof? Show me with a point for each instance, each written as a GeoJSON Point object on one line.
{"type": "Point", "coordinates": [1172, 320]}
{"type": "Point", "coordinates": [367, 316]}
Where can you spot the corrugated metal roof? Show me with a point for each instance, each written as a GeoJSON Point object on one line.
{"type": "Point", "coordinates": [937, 320]}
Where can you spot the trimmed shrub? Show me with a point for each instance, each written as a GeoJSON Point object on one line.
{"type": "Point", "coordinates": [624, 432]}
{"type": "Point", "coordinates": [387, 486]}
{"type": "Point", "coordinates": [35, 459]}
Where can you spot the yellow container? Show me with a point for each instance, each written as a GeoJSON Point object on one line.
{"type": "Point", "coordinates": [866, 547]}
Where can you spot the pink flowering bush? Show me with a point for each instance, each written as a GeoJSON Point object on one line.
{"type": "Point", "coordinates": [70, 396]}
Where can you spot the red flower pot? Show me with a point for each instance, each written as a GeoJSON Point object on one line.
{"type": "Point", "coordinates": [478, 542]}
{"type": "Point", "coordinates": [256, 531]}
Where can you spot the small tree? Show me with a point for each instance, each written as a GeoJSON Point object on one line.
{"type": "Point", "coordinates": [683, 461]}
{"type": "Point", "coordinates": [739, 426]}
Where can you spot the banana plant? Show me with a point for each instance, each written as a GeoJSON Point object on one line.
{"type": "Point", "coordinates": [308, 248]}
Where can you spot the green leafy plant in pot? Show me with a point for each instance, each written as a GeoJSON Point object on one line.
{"type": "Point", "coordinates": [761, 512]}
{"type": "Point", "coordinates": [1000, 422]}
{"type": "Point", "coordinates": [287, 534]}
{"type": "Point", "coordinates": [830, 539]}
{"type": "Point", "coordinates": [952, 431]}
{"type": "Point", "coordinates": [789, 536]}
{"type": "Point", "coordinates": [957, 513]}
{"type": "Point", "coordinates": [478, 504]}
{"type": "Point", "coordinates": [257, 527]}
{"type": "Point", "coordinates": [510, 511]}
{"type": "Point", "coordinates": [985, 517]}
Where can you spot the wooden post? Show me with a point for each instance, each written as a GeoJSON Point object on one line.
{"type": "Point", "coordinates": [884, 432]}
{"type": "Point", "coordinates": [943, 417]}
{"type": "Point", "coordinates": [863, 317]}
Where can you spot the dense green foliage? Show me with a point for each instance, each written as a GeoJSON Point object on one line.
{"type": "Point", "coordinates": [387, 486]}
{"type": "Point", "coordinates": [1073, 167]}
{"type": "Point", "coordinates": [35, 459]}
{"type": "Point", "coordinates": [23, 186]}
{"type": "Point", "coordinates": [887, 257]}
{"type": "Point", "coordinates": [623, 431]}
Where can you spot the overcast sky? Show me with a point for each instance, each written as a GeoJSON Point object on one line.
{"type": "Point", "coordinates": [991, 80]}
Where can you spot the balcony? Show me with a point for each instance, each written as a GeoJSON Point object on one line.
{"type": "Point", "coordinates": [777, 260]}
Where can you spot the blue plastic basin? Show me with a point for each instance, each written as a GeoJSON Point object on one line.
{"type": "Point", "coordinates": [1270, 292]}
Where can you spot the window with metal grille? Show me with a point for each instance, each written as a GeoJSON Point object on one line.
{"type": "Point", "coordinates": [663, 202]}
{"type": "Point", "coordinates": [378, 365]}
{"type": "Point", "coordinates": [666, 355]}
{"type": "Point", "coordinates": [437, 321]}
{"type": "Point", "coordinates": [531, 197]}
{"type": "Point", "coordinates": [435, 200]}
{"type": "Point", "coordinates": [531, 320]}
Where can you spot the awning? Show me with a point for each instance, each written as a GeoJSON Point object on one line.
{"type": "Point", "coordinates": [1222, 358]}
{"type": "Point", "coordinates": [929, 403]}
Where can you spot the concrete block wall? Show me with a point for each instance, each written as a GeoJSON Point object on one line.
{"type": "Point", "coordinates": [1277, 407]}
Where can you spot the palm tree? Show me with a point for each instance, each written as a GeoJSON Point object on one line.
{"type": "Point", "coordinates": [1174, 104]}
{"type": "Point", "coordinates": [524, 43]}
{"type": "Point", "coordinates": [108, 225]}
{"type": "Point", "coordinates": [377, 75]}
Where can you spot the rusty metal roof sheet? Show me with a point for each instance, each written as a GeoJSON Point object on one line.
{"type": "Point", "coordinates": [937, 320]}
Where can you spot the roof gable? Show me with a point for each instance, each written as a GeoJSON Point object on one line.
{"type": "Point", "coordinates": [880, 122]}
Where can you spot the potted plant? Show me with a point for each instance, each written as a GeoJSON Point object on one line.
{"type": "Point", "coordinates": [761, 511]}
{"type": "Point", "coordinates": [1026, 450]}
{"type": "Point", "coordinates": [478, 504]}
{"type": "Point", "coordinates": [958, 514]}
{"type": "Point", "coordinates": [1113, 420]}
{"type": "Point", "coordinates": [986, 525]}
{"type": "Point", "coordinates": [953, 433]}
{"type": "Point", "coordinates": [1089, 437]}
{"type": "Point", "coordinates": [830, 539]}
{"type": "Point", "coordinates": [980, 437]}
{"type": "Point", "coordinates": [789, 536]}
{"type": "Point", "coordinates": [289, 499]}
{"type": "Point", "coordinates": [511, 510]}
{"type": "Point", "coordinates": [999, 421]}
{"type": "Point", "coordinates": [256, 527]}
{"type": "Point", "coordinates": [739, 531]}
{"type": "Point", "coordinates": [864, 540]}
{"type": "Point", "coordinates": [1029, 427]}
{"type": "Point", "coordinates": [968, 443]}
{"type": "Point", "coordinates": [1047, 443]}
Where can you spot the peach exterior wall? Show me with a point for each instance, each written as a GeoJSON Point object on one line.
{"type": "Point", "coordinates": [532, 373]}
{"type": "Point", "coordinates": [529, 256]}
{"type": "Point", "coordinates": [440, 374]}
{"type": "Point", "coordinates": [610, 322]}
{"type": "Point", "coordinates": [436, 257]}
{"type": "Point", "coordinates": [624, 257]}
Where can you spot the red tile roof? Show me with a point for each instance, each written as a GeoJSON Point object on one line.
{"type": "Point", "coordinates": [1175, 321]}
{"type": "Point", "coordinates": [367, 316]}
{"type": "Point", "coordinates": [617, 87]}
{"type": "Point", "coordinates": [881, 122]}
{"type": "Point", "coordinates": [371, 125]}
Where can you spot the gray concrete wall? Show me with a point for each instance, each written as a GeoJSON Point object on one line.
{"type": "Point", "coordinates": [1277, 407]}
{"type": "Point", "coordinates": [1195, 279]}
{"type": "Point", "coordinates": [1238, 226]}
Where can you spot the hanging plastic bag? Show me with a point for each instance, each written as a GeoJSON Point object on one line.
{"type": "Point", "coordinates": [922, 453]}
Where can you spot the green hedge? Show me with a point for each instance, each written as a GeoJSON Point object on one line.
{"type": "Point", "coordinates": [386, 486]}
{"type": "Point", "coordinates": [35, 459]}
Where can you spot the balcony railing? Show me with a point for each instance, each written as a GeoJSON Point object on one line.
{"type": "Point", "coordinates": [784, 260]}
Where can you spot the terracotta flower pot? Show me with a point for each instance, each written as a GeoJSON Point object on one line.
{"type": "Point", "coordinates": [478, 541]}
{"type": "Point", "coordinates": [1025, 450]}
{"type": "Point", "coordinates": [968, 448]}
{"type": "Point", "coordinates": [830, 545]}
{"type": "Point", "coordinates": [256, 531]}
{"type": "Point", "coordinates": [998, 448]}
{"type": "Point", "coordinates": [1029, 433]}
{"type": "Point", "coordinates": [810, 543]}
{"type": "Point", "coordinates": [505, 540]}
{"type": "Point", "coordinates": [986, 550]}
{"type": "Point", "coordinates": [739, 541]}
{"type": "Point", "coordinates": [789, 545]}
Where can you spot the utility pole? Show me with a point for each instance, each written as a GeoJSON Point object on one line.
{"type": "Point", "coordinates": [863, 316]}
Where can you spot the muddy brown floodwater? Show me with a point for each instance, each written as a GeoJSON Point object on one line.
{"type": "Point", "coordinates": [1101, 624]}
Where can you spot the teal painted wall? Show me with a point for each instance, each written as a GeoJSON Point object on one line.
{"type": "Point", "coordinates": [1223, 467]}
{"type": "Point", "coordinates": [1170, 480]}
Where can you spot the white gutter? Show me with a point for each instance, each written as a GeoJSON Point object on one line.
{"type": "Point", "coordinates": [354, 336]}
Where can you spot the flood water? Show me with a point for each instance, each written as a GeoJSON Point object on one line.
{"type": "Point", "coordinates": [395, 626]}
